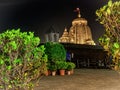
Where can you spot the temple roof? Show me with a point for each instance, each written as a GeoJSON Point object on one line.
{"type": "Point", "coordinates": [79, 20]}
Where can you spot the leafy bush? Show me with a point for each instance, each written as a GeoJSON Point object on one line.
{"type": "Point", "coordinates": [71, 65]}
{"type": "Point", "coordinates": [21, 60]}
{"type": "Point", "coordinates": [109, 17]}
{"type": "Point", "coordinates": [62, 64]}
{"type": "Point", "coordinates": [55, 51]}
{"type": "Point", "coordinates": [53, 67]}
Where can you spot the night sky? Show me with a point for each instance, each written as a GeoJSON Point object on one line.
{"type": "Point", "coordinates": [39, 15]}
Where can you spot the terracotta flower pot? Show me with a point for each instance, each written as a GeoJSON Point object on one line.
{"type": "Point", "coordinates": [47, 73]}
{"type": "Point", "coordinates": [62, 72]}
{"type": "Point", "coordinates": [71, 71]}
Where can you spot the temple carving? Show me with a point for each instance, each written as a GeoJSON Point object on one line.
{"type": "Point", "coordinates": [79, 32]}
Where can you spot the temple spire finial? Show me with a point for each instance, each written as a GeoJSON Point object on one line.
{"type": "Point", "coordinates": [78, 11]}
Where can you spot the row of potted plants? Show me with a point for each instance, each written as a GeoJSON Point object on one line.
{"type": "Point", "coordinates": [57, 58]}
{"type": "Point", "coordinates": [61, 67]}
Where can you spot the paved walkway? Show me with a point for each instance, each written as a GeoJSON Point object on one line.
{"type": "Point", "coordinates": [83, 79]}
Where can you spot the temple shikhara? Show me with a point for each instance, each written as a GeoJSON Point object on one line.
{"type": "Point", "coordinates": [79, 32]}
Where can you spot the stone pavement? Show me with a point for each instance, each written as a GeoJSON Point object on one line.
{"type": "Point", "coordinates": [82, 79]}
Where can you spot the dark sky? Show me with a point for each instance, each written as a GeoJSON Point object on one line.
{"type": "Point", "coordinates": [39, 15]}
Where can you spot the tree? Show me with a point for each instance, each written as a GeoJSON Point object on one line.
{"type": "Point", "coordinates": [109, 17]}
{"type": "Point", "coordinates": [22, 61]}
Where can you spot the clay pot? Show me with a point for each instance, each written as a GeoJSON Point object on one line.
{"type": "Point", "coordinates": [71, 71]}
{"type": "Point", "coordinates": [62, 72]}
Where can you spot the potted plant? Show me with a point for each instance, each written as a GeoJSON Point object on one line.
{"type": "Point", "coordinates": [56, 52]}
{"type": "Point", "coordinates": [70, 68]}
{"type": "Point", "coordinates": [47, 71]}
{"type": "Point", "coordinates": [53, 69]}
{"type": "Point", "coordinates": [62, 66]}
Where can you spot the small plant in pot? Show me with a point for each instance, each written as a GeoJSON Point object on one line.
{"type": "Point", "coordinates": [70, 67]}
{"type": "Point", "coordinates": [53, 69]}
{"type": "Point", "coordinates": [62, 66]}
{"type": "Point", "coordinates": [47, 71]}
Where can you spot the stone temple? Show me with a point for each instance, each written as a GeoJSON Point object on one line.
{"type": "Point", "coordinates": [79, 32]}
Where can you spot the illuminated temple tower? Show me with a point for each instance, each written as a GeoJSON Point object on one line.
{"type": "Point", "coordinates": [79, 32]}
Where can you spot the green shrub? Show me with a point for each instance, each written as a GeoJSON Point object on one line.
{"type": "Point", "coordinates": [21, 60]}
{"type": "Point", "coordinates": [62, 64]}
{"type": "Point", "coordinates": [109, 17]}
{"type": "Point", "coordinates": [55, 52]}
{"type": "Point", "coordinates": [71, 65]}
{"type": "Point", "coordinates": [53, 67]}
